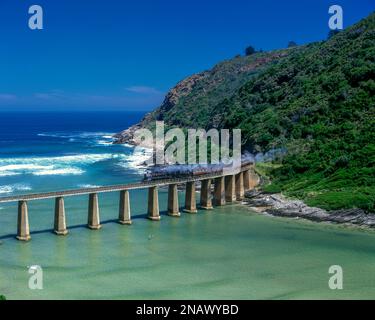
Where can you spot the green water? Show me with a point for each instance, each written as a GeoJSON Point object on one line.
{"type": "Point", "coordinates": [227, 253]}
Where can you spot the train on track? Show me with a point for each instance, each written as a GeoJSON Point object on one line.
{"type": "Point", "coordinates": [189, 170]}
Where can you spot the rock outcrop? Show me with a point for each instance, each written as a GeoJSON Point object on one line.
{"type": "Point", "coordinates": [278, 205]}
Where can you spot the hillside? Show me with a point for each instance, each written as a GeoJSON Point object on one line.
{"type": "Point", "coordinates": [191, 103]}
{"type": "Point", "coordinates": [316, 102]}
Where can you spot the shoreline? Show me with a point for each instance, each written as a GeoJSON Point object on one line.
{"type": "Point", "coordinates": [279, 206]}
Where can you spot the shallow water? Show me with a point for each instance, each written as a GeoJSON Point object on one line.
{"type": "Point", "coordinates": [228, 253]}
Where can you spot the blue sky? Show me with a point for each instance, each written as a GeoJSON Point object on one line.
{"type": "Point", "coordinates": [125, 55]}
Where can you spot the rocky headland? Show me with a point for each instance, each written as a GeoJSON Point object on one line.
{"type": "Point", "coordinates": [279, 205]}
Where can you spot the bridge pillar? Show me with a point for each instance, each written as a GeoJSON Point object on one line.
{"type": "Point", "coordinates": [60, 223]}
{"type": "Point", "coordinates": [230, 188]}
{"type": "Point", "coordinates": [153, 204]}
{"type": "Point", "coordinates": [173, 208]}
{"type": "Point", "coordinates": [219, 192]}
{"type": "Point", "coordinates": [246, 180]}
{"type": "Point", "coordinates": [190, 199]}
{"type": "Point", "coordinates": [240, 192]}
{"type": "Point", "coordinates": [94, 219]}
{"type": "Point", "coordinates": [206, 202]}
{"type": "Point", "coordinates": [23, 229]}
{"type": "Point", "coordinates": [124, 208]}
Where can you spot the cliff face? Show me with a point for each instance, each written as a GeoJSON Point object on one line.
{"type": "Point", "coordinates": [191, 103]}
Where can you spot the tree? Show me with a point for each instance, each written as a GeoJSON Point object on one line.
{"type": "Point", "coordinates": [332, 33]}
{"type": "Point", "coordinates": [249, 51]}
{"type": "Point", "coordinates": [292, 44]}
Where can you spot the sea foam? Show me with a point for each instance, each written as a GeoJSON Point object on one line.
{"type": "Point", "coordinates": [61, 172]}
{"type": "Point", "coordinates": [14, 188]}
{"type": "Point", "coordinates": [42, 166]}
{"type": "Point", "coordinates": [87, 186]}
{"type": "Point", "coordinates": [137, 159]}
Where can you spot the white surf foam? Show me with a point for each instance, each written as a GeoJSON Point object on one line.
{"type": "Point", "coordinates": [137, 160]}
{"type": "Point", "coordinates": [6, 189]}
{"type": "Point", "coordinates": [13, 188]}
{"type": "Point", "coordinates": [88, 186]}
{"type": "Point", "coordinates": [9, 174]}
{"type": "Point", "coordinates": [21, 167]}
{"type": "Point", "coordinates": [63, 165]}
{"type": "Point", "coordinates": [104, 143]}
{"type": "Point", "coordinates": [60, 172]}
{"type": "Point", "coordinates": [96, 138]}
{"type": "Point", "coordinates": [77, 135]}
{"type": "Point", "coordinates": [74, 164]}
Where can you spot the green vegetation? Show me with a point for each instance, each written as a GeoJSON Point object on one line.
{"type": "Point", "coordinates": [332, 33]}
{"type": "Point", "coordinates": [272, 188]}
{"type": "Point", "coordinates": [264, 169]}
{"type": "Point", "coordinates": [2, 297]}
{"type": "Point", "coordinates": [317, 102]}
{"type": "Point", "coordinates": [249, 51]}
{"type": "Point", "coordinates": [193, 102]}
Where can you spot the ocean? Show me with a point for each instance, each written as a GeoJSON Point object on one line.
{"type": "Point", "coordinates": [227, 253]}
{"type": "Point", "coordinates": [53, 151]}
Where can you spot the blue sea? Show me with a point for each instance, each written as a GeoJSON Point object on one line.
{"type": "Point", "coordinates": [54, 151]}
{"type": "Point", "coordinates": [230, 252]}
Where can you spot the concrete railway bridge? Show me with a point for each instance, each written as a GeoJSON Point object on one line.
{"type": "Point", "coordinates": [227, 188]}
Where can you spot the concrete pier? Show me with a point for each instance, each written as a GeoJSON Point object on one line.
{"type": "Point", "coordinates": [190, 198]}
{"type": "Point", "coordinates": [206, 202]}
{"type": "Point", "coordinates": [153, 204]}
{"type": "Point", "coordinates": [219, 192]}
{"type": "Point", "coordinates": [173, 207]}
{"type": "Point", "coordinates": [240, 191]}
{"type": "Point", "coordinates": [93, 216]}
{"type": "Point", "coordinates": [23, 228]}
{"type": "Point", "coordinates": [60, 223]}
{"type": "Point", "coordinates": [230, 188]}
{"type": "Point", "coordinates": [124, 208]}
{"type": "Point", "coordinates": [246, 180]}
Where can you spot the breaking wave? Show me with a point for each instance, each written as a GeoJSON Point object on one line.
{"type": "Point", "coordinates": [137, 160]}
{"type": "Point", "coordinates": [14, 188]}
{"type": "Point", "coordinates": [74, 165]}
{"type": "Point", "coordinates": [43, 166]}
{"type": "Point", "coordinates": [95, 138]}
{"type": "Point", "coordinates": [87, 186]}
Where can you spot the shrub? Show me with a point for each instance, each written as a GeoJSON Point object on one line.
{"type": "Point", "coordinates": [249, 50]}
{"type": "Point", "coordinates": [272, 188]}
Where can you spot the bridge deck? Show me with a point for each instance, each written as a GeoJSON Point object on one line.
{"type": "Point", "coordinates": [131, 186]}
